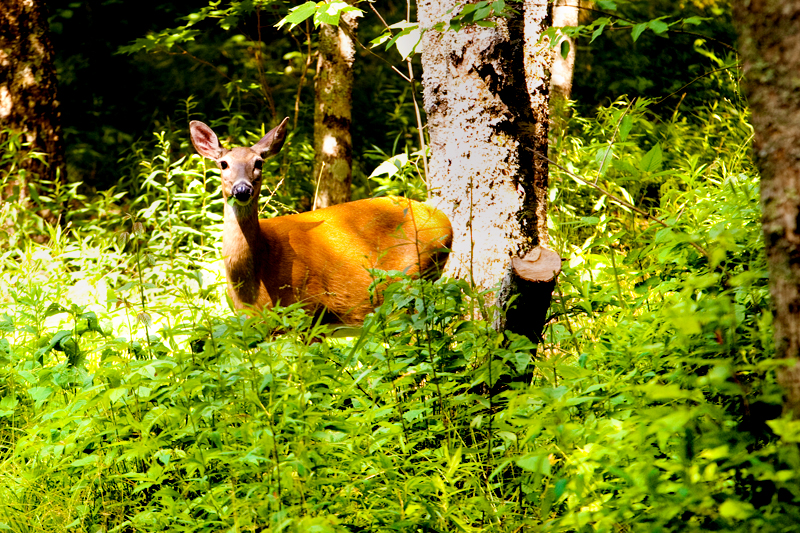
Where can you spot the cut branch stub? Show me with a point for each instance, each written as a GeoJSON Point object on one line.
{"type": "Point", "coordinates": [535, 278]}
{"type": "Point", "coordinates": [538, 265]}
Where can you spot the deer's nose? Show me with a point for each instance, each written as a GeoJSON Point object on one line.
{"type": "Point", "coordinates": [242, 192]}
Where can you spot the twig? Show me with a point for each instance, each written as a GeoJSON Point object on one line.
{"type": "Point", "coordinates": [203, 61]}
{"type": "Point", "coordinates": [316, 191]}
{"type": "Point", "coordinates": [696, 79]}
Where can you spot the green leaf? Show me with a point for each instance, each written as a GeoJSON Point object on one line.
{"type": "Point", "coordinates": [787, 430]}
{"type": "Point", "coordinates": [607, 4]}
{"type": "Point", "coordinates": [583, 399]}
{"type": "Point", "coordinates": [92, 322]}
{"type": "Point", "coordinates": [625, 127]}
{"type": "Point", "coordinates": [326, 16]}
{"type": "Point", "coordinates": [469, 8]}
{"type": "Point", "coordinates": [564, 48]}
{"type": "Point", "coordinates": [405, 29]}
{"type": "Point", "coordinates": [298, 14]}
{"type": "Point", "coordinates": [115, 395]}
{"type": "Point", "coordinates": [85, 461]}
{"type": "Point", "coordinates": [603, 158]}
{"type": "Point", "coordinates": [547, 502]}
{"type": "Point", "coordinates": [40, 394]}
{"type": "Point", "coordinates": [694, 20]}
{"type": "Point", "coordinates": [455, 460]}
{"type": "Point", "coordinates": [736, 510]}
{"type": "Point", "coordinates": [481, 13]}
{"type": "Point", "coordinates": [329, 13]}
{"type": "Point", "coordinates": [688, 325]}
{"type": "Point", "coordinates": [561, 486]}
{"type": "Point", "coordinates": [637, 30]}
{"type": "Point", "coordinates": [379, 40]}
{"type": "Point", "coordinates": [599, 30]}
{"type": "Point", "coordinates": [658, 26]}
{"type": "Point", "coordinates": [8, 405]}
{"type": "Point", "coordinates": [6, 323]}
{"type": "Point", "coordinates": [539, 464]}
{"type": "Point", "coordinates": [54, 309]}
{"type": "Point", "coordinates": [651, 162]}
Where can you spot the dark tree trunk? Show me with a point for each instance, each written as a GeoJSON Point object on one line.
{"type": "Point", "coordinates": [769, 42]}
{"type": "Point", "coordinates": [332, 115]}
{"type": "Point", "coordinates": [28, 104]}
{"type": "Point", "coordinates": [486, 94]}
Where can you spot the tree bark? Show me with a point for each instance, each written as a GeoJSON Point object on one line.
{"type": "Point", "coordinates": [333, 84]}
{"type": "Point", "coordinates": [486, 95]}
{"type": "Point", "coordinates": [769, 43]}
{"type": "Point", "coordinates": [28, 104]}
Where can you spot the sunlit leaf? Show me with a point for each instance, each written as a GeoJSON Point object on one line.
{"type": "Point", "coordinates": [735, 509]}
{"type": "Point", "coordinates": [391, 166]}
{"type": "Point", "coordinates": [379, 40]}
{"type": "Point", "coordinates": [298, 14]}
{"type": "Point", "coordinates": [407, 44]}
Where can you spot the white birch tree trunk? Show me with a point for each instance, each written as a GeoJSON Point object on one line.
{"type": "Point", "coordinates": [486, 94]}
{"type": "Point", "coordinates": [565, 13]}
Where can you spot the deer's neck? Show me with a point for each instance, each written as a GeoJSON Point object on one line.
{"type": "Point", "coordinates": [242, 246]}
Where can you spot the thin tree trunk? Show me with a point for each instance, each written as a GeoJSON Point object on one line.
{"type": "Point", "coordinates": [769, 42]}
{"type": "Point", "coordinates": [565, 13]}
{"type": "Point", "coordinates": [28, 104]}
{"type": "Point", "coordinates": [332, 115]}
{"type": "Point", "coordinates": [486, 96]}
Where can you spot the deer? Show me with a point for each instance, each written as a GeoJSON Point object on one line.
{"type": "Point", "coordinates": [323, 258]}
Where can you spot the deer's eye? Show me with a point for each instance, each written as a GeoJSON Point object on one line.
{"type": "Point", "coordinates": [223, 165]}
{"type": "Point", "coordinates": [258, 164]}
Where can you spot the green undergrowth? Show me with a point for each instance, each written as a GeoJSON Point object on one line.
{"type": "Point", "coordinates": [133, 399]}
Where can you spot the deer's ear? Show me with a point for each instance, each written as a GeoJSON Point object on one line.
{"type": "Point", "coordinates": [271, 143]}
{"type": "Point", "coordinates": [205, 140]}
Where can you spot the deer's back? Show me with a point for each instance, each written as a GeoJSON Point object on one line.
{"type": "Point", "coordinates": [322, 257]}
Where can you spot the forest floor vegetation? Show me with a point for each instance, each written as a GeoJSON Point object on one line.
{"type": "Point", "coordinates": [133, 399]}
